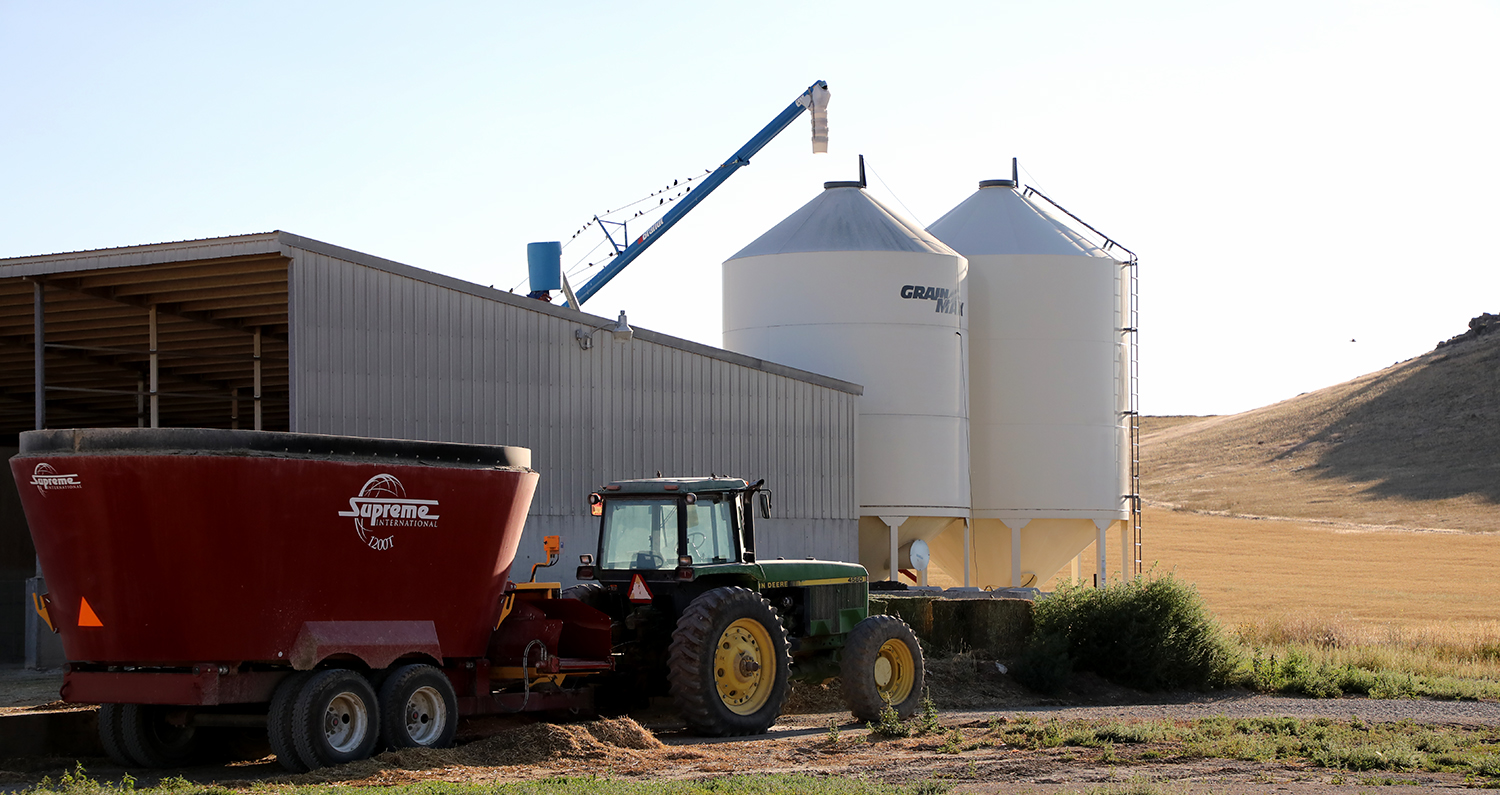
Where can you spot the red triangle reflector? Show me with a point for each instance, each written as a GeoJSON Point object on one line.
{"type": "Point", "coordinates": [86, 616]}
{"type": "Point", "coordinates": [639, 593]}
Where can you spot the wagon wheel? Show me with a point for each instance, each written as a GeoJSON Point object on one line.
{"type": "Point", "coordinates": [418, 708]}
{"type": "Point", "coordinates": [153, 737]}
{"type": "Point", "coordinates": [882, 665]}
{"type": "Point", "coordinates": [279, 722]}
{"type": "Point", "coordinates": [729, 663]}
{"type": "Point", "coordinates": [335, 719]}
{"type": "Point", "coordinates": [110, 736]}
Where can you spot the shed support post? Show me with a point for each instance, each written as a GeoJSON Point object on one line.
{"type": "Point", "coordinates": [894, 522]}
{"type": "Point", "coordinates": [1076, 565]}
{"type": "Point", "coordinates": [257, 378]}
{"type": "Point", "coordinates": [234, 409]}
{"type": "Point", "coordinates": [39, 292]}
{"type": "Point", "coordinates": [155, 399]}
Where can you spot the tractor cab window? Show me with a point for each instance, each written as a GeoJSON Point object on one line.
{"type": "Point", "coordinates": [710, 531]}
{"type": "Point", "coordinates": [639, 534]}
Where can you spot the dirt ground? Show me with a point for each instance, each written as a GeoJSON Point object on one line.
{"type": "Point", "coordinates": [504, 749]}
{"type": "Point", "coordinates": [26, 691]}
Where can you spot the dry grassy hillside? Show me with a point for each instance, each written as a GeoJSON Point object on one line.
{"type": "Point", "coordinates": [1416, 445]}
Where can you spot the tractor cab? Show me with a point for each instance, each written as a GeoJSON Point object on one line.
{"type": "Point", "coordinates": [670, 529]}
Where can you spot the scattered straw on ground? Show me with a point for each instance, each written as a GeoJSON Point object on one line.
{"type": "Point", "coordinates": [620, 741]}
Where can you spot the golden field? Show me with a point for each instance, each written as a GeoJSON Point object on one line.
{"type": "Point", "coordinates": [1364, 517]}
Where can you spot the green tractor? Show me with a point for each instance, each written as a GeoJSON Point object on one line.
{"type": "Point", "coordinates": [696, 616]}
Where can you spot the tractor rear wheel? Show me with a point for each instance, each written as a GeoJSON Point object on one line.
{"type": "Point", "coordinates": [882, 666]}
{"type": "Point", "coordinates": [729, 663]}
{"type": "Point", "coordinates": [590, 593]}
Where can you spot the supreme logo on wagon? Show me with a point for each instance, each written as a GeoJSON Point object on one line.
{"type": "Point", "coordinates": [382, 508]}
{"type": "Point", "coordinates": [46, 478]}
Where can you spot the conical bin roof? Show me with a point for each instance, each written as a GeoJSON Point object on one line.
{"type": "Point", "coordinates": [999, 220]}
{"type": "Point", "coordinates": [844, 219]}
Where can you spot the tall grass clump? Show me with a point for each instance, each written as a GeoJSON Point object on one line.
{"type": "Point", "coordinates": [1326, 657]}
{"type": "Point", "coordinates": [1458, 649]}
{"type": "Point", "coordinates": [1150, 633]}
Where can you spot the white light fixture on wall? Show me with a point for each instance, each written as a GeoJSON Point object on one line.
{"type": "Point", "coordinates": [620, 329]}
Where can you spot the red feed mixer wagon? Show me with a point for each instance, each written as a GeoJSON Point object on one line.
{"type": "Point", "coordinates": [347, 594]}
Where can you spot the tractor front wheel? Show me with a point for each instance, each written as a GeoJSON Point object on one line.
{"type": "Point", "coordinates": [882, 665]}
{"type": "Point", "coordinates": [729, 663]}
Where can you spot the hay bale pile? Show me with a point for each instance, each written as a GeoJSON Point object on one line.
{"type": "Point", "coordinates": [993, 628]}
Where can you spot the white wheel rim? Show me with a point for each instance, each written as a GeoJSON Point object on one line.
{"type": "Point", "coordinates": [346, 722]}
{"type": "Point", "coordinates": [426, 714]}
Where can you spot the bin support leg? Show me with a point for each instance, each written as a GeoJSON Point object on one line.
{"type": "Point", "coordinates": [968, 539]}
{"type": "Point", "coordinates": [1126, 570]}
{"type": "Point", "coordinates": [894, 522]}
{"type": "Point", "coordinates": [1015, 526]}
{"type": "Point", "coordinates": [1102, 577]}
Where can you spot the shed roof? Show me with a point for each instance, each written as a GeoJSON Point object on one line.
{"type": "Point", "coordinates": [210, 297]}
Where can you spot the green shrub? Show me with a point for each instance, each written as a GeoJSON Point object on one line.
{"type": "Point", "coordinates": [1044, 664]}
{"type": "Point", "coordinates": [1149, 633]}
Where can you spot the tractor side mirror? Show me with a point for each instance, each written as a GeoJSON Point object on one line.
{"type": "Point", "coordinates": [764, 497]}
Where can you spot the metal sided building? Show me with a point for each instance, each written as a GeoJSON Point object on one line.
{"type": "Point", "coordinates": [282, 332]}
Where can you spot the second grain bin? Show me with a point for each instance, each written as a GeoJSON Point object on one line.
{"type": "Point", "coordinates": [847, 287]}
{"type": "Point", "coordinates": [1048, 365]}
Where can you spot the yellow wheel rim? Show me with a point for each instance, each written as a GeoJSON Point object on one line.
{"type": "Point", "coordinates": [744, 671]}
{"type": "Point", "coordinates": [895, 671]}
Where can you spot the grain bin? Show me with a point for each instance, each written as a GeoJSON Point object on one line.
{"type": "Point", "coordinates": [847, 287]}
{"type": "Point", "coordinates": [1048, 388]}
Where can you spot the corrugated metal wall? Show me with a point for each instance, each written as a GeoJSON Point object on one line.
{"type": "Point", "coordinates": [376, 352]}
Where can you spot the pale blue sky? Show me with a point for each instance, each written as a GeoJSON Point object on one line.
{"type": "Point", "coordinates": [1294, 175]}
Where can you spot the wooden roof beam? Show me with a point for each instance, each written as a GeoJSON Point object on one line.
{"type": "Point", "coordinates": [75, 285]}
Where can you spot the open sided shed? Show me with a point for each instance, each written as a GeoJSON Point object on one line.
{"type": "Point", "coordinates": [352, 344]}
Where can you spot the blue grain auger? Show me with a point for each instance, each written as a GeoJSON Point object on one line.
{"type": "Point", "coordinates": [542, 256]}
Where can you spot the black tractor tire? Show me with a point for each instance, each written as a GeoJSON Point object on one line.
{"type": "Point", "coordinates": [279, 721]}
{"type": "Point", "coordinates": [418, 708]}
{"type": "Point", "coordinates": [882, 666]}
{"type": "Point", "coordinates": [335, 719]}
{"type": "Point", "coordinates": [110, 736]}
{"type": "Point", "coordinates": [152, 741]}
{"type": "Point", "coordinates": [729, 666]}
{"type": "Point", "coordinates": [590, 593]}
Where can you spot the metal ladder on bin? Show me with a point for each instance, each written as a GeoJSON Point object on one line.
{"type": "Point", "coordinates": [1131, 338]}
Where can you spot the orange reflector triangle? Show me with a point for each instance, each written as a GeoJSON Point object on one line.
{"type": "Point", "coordinates": [86, 617]}
{"type": "Point", "coordinates": [639, 593]}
